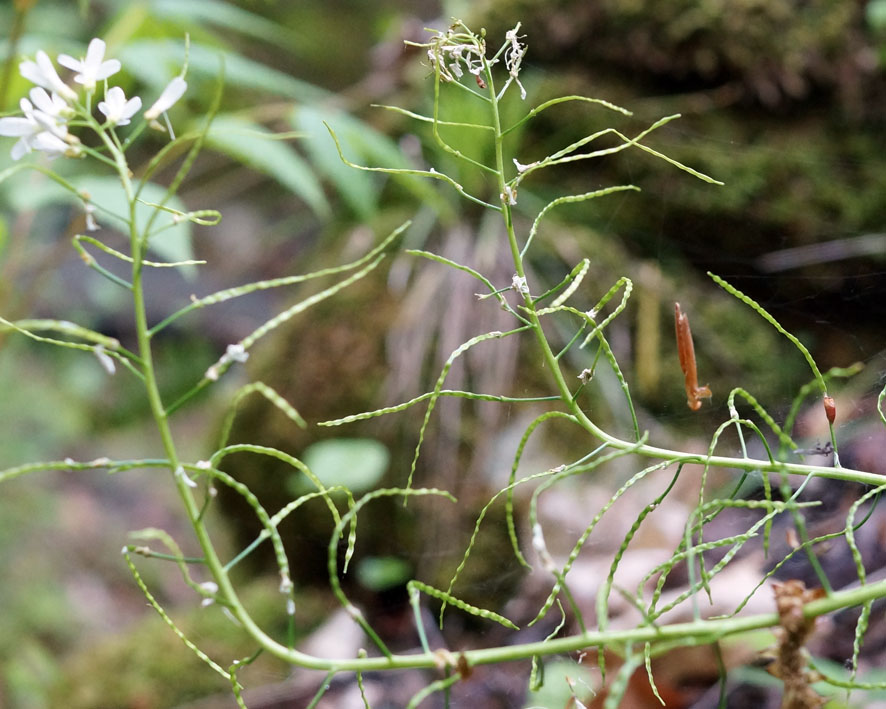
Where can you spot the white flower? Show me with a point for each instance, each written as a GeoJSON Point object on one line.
{"type": "Point", "coordinates": [43, 74]}
{"type": "Point", "coordinates": [235, 353]}
{"type": "Point", "coordinates": [43, 120]}
{"type": "Point", "coordinates": [519, 284]}
{"type": "Point", "coordinates": [52, 105]}
{"type": "Point", "coordinates": [116, 108]}
{"type": "Point", "coordinates": [93, 68]}
{"type": "Point", "coordinates": [38, 130]}
{"type": "Point", "coordinates": [172, 93]}
{"type": "Point", "coordinates": [24, 129]}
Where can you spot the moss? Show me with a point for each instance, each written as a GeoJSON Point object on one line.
{"type": "Point", "coordinates": [776, 51]}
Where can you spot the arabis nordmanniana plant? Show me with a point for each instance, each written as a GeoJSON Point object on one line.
{"type": "Point", "coordinates": [457, 56]}
{"type": "Point", "coordinates": [43, 126]}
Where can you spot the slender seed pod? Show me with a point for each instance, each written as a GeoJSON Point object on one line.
{"type": "Point", "coordinates": [694, 393]}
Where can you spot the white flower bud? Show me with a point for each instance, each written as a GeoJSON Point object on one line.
{"type": "Point", "coordinates": [172, 93]}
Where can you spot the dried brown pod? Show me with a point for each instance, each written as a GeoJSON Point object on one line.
{"type": "Point", "coordinates": [686, 350]}
{"type": "Point", "coordinates": [830, 408]}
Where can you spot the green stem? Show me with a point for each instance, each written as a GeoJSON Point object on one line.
{"type": "Point", "coordinates": [695, 632]}
{"type": "Point", "coordinates": [213, 563]}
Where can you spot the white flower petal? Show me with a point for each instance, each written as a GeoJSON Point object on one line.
{"type": "Point", "coordinates": [53, 105]}
{"type": "Point", "coordinates": [20, 149]}
{"type": "Point", "coordinates": [15, 126]}
{"type": "Point", "coordinates": [66, 60]}
{"type": "Point", "coordinates": [50, 144]}
{"type": "Point", "coordinates": [172, 93]}
{"type": "Point", "coordinates": [43, 73]}
{"type": "Point", "coordinates": [108, 68]}
{"type": "Point", "coordinates": [95, 52]}
{"type": "Point", "coordinates": [132, 107]}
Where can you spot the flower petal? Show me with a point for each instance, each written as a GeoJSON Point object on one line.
{"type": "Point", "coordinates": [95, 52]}
{"type": "Point", "coordinates": [67, 61]}
{"type": "Point", "coordinates": [20, 149]}
{"type": "Point", "coordinates": [172, 93]}
{"type": "Point", "coordinates": [15, 126]}
{"type": "Point", "coordinates": [43, 73]}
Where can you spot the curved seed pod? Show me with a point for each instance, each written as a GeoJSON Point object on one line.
{"type": "Point", "coordinates": [694, 393]}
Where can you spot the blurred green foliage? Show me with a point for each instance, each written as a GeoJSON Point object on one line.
{"type": "Point", "coordinates": [783, 100]}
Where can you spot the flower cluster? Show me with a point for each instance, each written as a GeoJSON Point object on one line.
{"type": "Point", "coordinates": [452, 50]}
{"type": "Point", "coordinates": [43, 125]}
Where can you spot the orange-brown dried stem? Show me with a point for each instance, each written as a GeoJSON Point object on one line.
{"type": "Point", "coordinates": [694, 393]}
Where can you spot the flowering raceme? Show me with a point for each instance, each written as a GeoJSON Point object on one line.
{"type": "Point", "coordinates": [43, 126]}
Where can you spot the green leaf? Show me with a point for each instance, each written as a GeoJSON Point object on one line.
{"type": "Point", "coordinates": [358, 189]}
{"type": "Point", "coordinates": [379, 573]}
{"type": "Point", "coordinates": [255, 146]}
{"type": "Point", "coordinates": [356, 463]}
{"type": "Point", "coordinates": [227, 16]}
{"type": "Point", "coordinates": [155, 62]}
{"type": "Point", "coordinates": [875, 12]}
{"type": "Point", "coordinates": [362, 144]}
